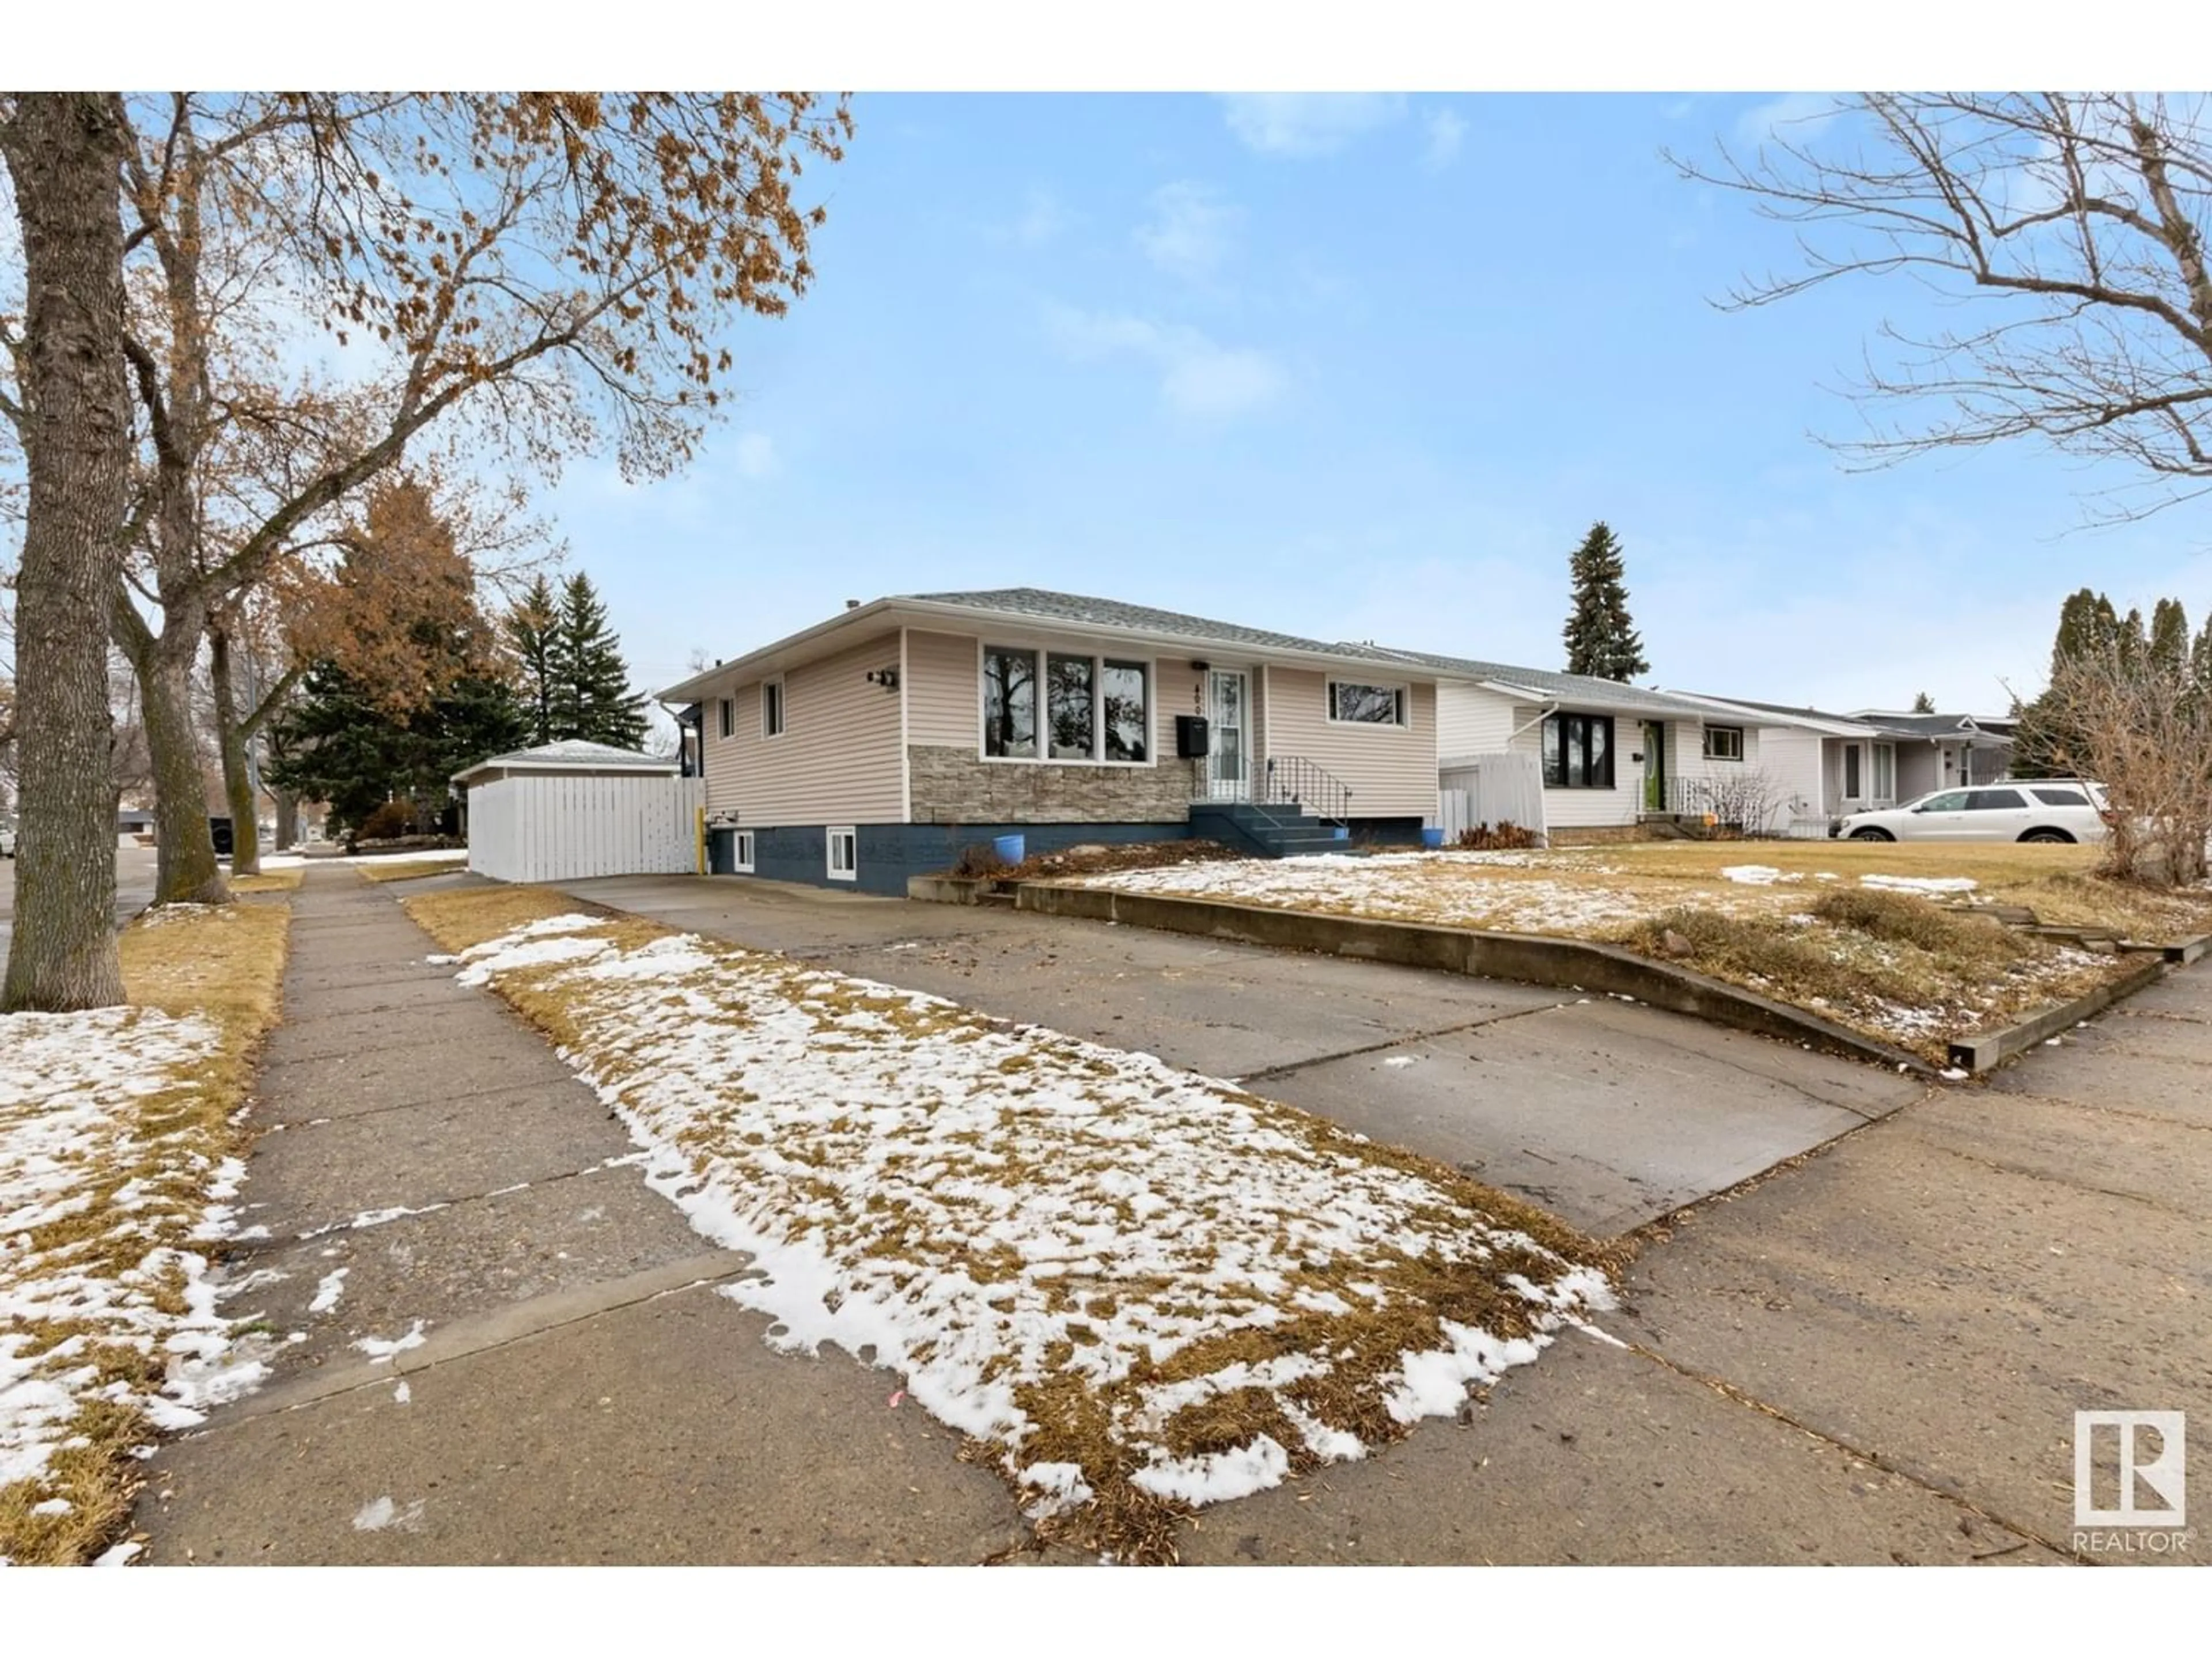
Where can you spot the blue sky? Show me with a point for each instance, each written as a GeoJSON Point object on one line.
{"type": "Point", "coordinates": [1355, 368]}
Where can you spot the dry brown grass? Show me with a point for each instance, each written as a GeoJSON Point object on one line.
{"type": "Point", "coordinates": [412, 869]}
{"type": "Point", "coordinates": [270, 881]}
{"type": "Point", "coordinates": [227, 965]}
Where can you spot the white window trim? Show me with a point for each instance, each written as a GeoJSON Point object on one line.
{"type": "Point", "coordinates": [783, 708]}
{"type": "Point", "coordinates": [829, 853]}
{"type": "Point", "coordinates": [742, 851]}
{"type": "Point", "coordinates": [726, 717]}
{"type": "Point", "coordinates": [1404, 689]}
{"type": "Point", "coordinates": [1100, 656]}
{"type": "Point", "coordinates": [1706, 744]}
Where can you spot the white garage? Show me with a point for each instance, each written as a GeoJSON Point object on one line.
{"type": "Point", "coordinates": [565, 810]}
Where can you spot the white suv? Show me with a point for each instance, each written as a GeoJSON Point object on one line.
{"type": "Point", "coordinates": [2030, 809]}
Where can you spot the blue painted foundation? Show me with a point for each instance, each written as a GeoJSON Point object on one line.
{"type": "Point", "coordinates": [889, 853]}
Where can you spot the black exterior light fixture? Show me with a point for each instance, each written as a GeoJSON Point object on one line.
{"type": "Point", "coordinates": [886, 678]}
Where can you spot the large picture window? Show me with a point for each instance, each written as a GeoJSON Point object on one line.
{"type": "Point", "coordinates": [1127, 708]}
{"type": "Point", "coordinates": [1092, 708]}
{"type": "Point", "coordinates": [1071, 700]}
{"type": "Point", "coordinates": [1009, 703]}
{"type": "Point", "coordinates": [1351, 703]}
{"type": "Point", "coordinates": [1578, 751]}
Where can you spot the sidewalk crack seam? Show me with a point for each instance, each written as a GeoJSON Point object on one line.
{"type": "Point", "coordinates": [1398, 1042]}
{"type": "Point", "coordinates": [1744, 1397]}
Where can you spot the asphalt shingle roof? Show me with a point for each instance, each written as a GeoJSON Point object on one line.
{"type": "Point", "coordinates": [1082, 609]}
{"type": "Point", "coordinates": [1565, 687]}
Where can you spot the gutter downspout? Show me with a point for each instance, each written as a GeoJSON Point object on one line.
{"type": "Point", "coordinates": [1541, 716]}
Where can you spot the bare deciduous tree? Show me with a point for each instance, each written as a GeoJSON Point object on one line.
{"type": "Point", "coordinates": [2076, 225]}
{"type": "Point", "coordinates": [69, 407]}
{"type": "Point", "coordinates": [2143, 729]}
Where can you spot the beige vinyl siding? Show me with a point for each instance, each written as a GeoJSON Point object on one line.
{"type": "Point", "coordinates": [838, 760]}
{"type": "Point", "coordinates": [1391, 770]}
{"type": "Point", "coordinates": [942, 689]}
{"type": "Point", "coordinates": [1587, 809]}
{"type": "Point", "coordinates": [1791, 756]}
{"type": "Point", "coordinates": [1471, 721]}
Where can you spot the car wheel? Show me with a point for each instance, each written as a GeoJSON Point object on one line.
{"type": "Point", "coordinates": [1870, 833]}
{"type": "Point", "coordinates": [2049, 837]}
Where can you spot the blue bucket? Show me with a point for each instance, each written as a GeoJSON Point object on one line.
{"type": "Point", "coordinates": [1343, 832]}
{"type": "Point", "coordinates": [1009, 849]}
{"type": "Point", "coordinates": [1432, 837]}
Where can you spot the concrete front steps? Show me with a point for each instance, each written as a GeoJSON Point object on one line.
{"type": "Point", "coordinates": [1274, 832]}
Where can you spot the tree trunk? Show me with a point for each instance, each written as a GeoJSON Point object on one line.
{"type": "Point", "coordinates": [64, 151]}
{"type": "Point", "coordinates": [287, 820]}
{"type": "Point", "coordinates": [185, 871]}
{"type": "Point", "coordinates": [237, 777]}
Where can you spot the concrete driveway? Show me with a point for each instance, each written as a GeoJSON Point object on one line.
{"type": "Point", "coordinates": [134, 890]}
{"type": "Point", "coordinates": [1607, 1113]}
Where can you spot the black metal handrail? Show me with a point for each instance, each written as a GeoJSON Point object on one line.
{"type": "Point", "coordinates": [1295, 781]}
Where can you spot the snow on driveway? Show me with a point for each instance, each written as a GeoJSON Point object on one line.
{"type": "Point", "coordinates": [89, 1181]}
{"type": "Point", "coordinates": [1136, 1284]}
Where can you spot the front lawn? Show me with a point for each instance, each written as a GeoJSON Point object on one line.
{"type": "Point", "coordinates": [119, 1151]}
{"type": "Point", "coordinates": [1138, 1290]}
{"type": "Point", "coordinates": [1862, 933]}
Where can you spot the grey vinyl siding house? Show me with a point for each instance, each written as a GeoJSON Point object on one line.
{"type": "Point", "coordinates": [879, 744]}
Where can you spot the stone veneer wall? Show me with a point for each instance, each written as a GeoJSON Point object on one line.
{"type": "Point", "coordinates": [951, 786]}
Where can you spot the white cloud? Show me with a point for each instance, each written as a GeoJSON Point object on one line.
{"type": "Point", "coordinates": [1191, 231]}
{"type": "Point", "coordinates": [1791, 118]}
{"type": "Point", "coordinates": [1198, 377]}
{"type": "Point", "coordinates": [1308, 123]}
{"type": "Point", "coordinates": [756, 456]}
{"type": "Point", "coordinates": [1446, 132]}
{"type": "Point", "coordinates": [1042, 219]}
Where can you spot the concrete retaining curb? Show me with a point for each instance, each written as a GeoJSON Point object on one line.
{"type": "Point", "coordinates": [1979, 1054]}
{"type": "Point", "coordinates": [1573, 964]}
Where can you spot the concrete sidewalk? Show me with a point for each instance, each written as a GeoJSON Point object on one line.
{"type": "Point", "coordinates": [581, 1394]}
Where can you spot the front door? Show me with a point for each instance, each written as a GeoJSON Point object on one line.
{"type": "Point", "coordinates": [1655, 766]}
{"type": "Point", "coordinates": [1228, 709]}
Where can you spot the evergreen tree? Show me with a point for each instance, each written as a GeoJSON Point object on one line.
{"type": "Point", "coordinates": [591, 696]}
{"type": "Point", "coordinates": [532, 631]}
{"type": "Point", "coordinates": [1923, 703]}
{"type": "Point", "coordinates": [1601, 640]}
{"type": "Point", "coordinates": [2169, 637]}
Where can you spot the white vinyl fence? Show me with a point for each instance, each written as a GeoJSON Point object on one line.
{"type": "Point", "coordinates": [565, 826]}
{"type": "Point", "coordinates": [1491, 789]}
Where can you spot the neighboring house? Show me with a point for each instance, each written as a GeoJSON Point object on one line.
{"type": "Point", "coordinates": [1611, 755]}
{"type": "Point", "coordinates": [882, 742]}
{"type": "Point", "coordinates": [1938, 751]}
{"type": "Point", "coordinates": [1872, 760]}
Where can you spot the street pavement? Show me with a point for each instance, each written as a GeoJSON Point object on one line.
{"type": "Point", "coordinates": [134, 888]}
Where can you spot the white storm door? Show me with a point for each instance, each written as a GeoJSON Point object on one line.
{"type": "Point", "coordinates": [1229, 763]}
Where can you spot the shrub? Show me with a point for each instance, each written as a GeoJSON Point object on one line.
{"type": "Point", "coordinates": [393, 818]}
{"type": "Point", "coordinates": [1901, 919]}
{"type": "Point", "coordinates": [1508, 837]}
{"type": "Point", "coordinates": [979, 859]}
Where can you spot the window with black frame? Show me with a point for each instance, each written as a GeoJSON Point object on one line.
{"type": "Point", "coordinates": [1577, 751]}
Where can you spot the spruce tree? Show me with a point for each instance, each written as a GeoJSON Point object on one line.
{"type": "Point", "coordinates": [591, 696]}
{"type": "Point", "coordinates": [2169, 637]}
{"type": "Point", "coordinates": [1601, 640]}
{"type": "Point", "coordinates": [532, 631]}
{"type": "Point", "coordinates": [1923, 703]}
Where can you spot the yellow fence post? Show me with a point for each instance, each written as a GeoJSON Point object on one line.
{"type": "Point", "coordinates": [699, 838]}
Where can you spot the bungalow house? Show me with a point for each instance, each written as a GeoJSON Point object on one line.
{"type": "Point", "coordinates": [1872, 759]}
{"type": "Point", "coordinates": [883, 741]}
{"type": "Point", "coordinates": [1609, 756]}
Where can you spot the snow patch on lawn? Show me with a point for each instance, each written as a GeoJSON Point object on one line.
{"type": "Point", "coordinates": [1922, 884]}
{"type": "Point", "coordinates": [996, 1212]}
{"type": "Point", "coordinates": [327, 1291]}
{"type": "Point", "coordinates": [87, 1185]}
{"type": "Point", "coordinates": [1756, 875]}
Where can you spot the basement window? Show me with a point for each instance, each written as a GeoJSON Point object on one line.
{"type": "Point", "coordinates": [844, 855]}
